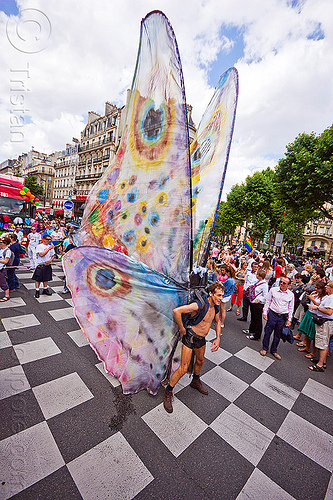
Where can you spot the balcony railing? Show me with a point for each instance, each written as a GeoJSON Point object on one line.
{"type": "Point", "coordinates": [88, 176]}
{"type": "Point", "coordinates": [85, 147]}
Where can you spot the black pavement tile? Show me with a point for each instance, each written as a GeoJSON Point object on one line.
{"type": "Point", "coordinates": [28, 334]}
{"type": "Point", "coordinates": [208, 408]}
{"type": "Point", "coordinates": [207, 366]}
{"type": "Point", "coordinates": [316, 413]}
{"type": "Point", "coordinates": [79, 429]}
{"type": "Point", "coordinates": [151, 450]}
{"type": "Point", "coordinates": [144, 402]}
{"type": "Point", "coordinates": [294, 472]}
{"type": "Point", "coordinates": [233, 339]}
{"type": "Point", "coordinates": [215, 466]}
{"type": "Point", "coordinates": [263, 409]}
{"type": "Point", "coordinates": [175, 484]}
{"type": "Point", "coordinates": [19, 412]}
{"type": "Point", "coordinates": [241, 369]}
{"type": "Point", "coordinates": [8, 358]}
{"type": "Point", "coordinates": [55, 486]}
{"type": "Point", "coordinates": [52, 367]}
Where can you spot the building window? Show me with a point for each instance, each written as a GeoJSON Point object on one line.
{"type": "Point", "coordinates": [313, 243]}
{"type": "Point", "coordinates": [322, 244]}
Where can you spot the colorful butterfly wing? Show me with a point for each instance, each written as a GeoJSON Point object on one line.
{"type": "Point", "coordinates": [125, 309]}
{"type": "Point", "coordinates": [141, 206]}
{"type": "Point", "coordinates": [209, 159]}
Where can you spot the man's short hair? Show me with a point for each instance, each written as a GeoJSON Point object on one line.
{"type": "Point", "coordinates": [13, 237]}
{"type": "Point", "coordinates": [217, 285]}
{"type": "Point", "coordinates": [254, 263]}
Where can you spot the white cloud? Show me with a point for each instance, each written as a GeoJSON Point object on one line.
{"type": "Point", "coordinates": [286, 74]}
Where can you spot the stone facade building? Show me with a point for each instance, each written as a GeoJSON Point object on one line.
{"type": "Point", "coordinates": [318, 238]}
{"type": "Point", "coordinates": [65, 171]}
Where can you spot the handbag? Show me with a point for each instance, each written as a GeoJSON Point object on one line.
{"type": "Point", "coordinates": [318, 320]}
{"type": "Point", "coordinates": [287, 335]}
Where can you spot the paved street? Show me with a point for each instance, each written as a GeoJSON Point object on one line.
{"type": "Point", "coordinates": [67, 431]}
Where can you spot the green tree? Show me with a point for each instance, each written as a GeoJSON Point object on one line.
{"type": "Point", "coordinates": [31, 183]}
{"type": "Point", "coordinates": [305, 175]}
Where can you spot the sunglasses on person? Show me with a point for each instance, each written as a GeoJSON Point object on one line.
{"type": "Point", "coordinates": [284, 282]}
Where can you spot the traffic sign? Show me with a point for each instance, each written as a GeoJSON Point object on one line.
{"type": "Point", "coordinates": [69, 205]}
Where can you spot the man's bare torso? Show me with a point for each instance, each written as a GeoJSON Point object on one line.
{"type": "Point", "coordinates": [203, 327]}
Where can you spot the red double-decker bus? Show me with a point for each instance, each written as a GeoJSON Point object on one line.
{"type": "Point", "coordinates": [12, 204]}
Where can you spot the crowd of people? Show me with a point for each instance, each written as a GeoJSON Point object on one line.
{"type": "Point", "coordinates": [271, 288]}
{"type": "Point", "coordinates": [43, 240]}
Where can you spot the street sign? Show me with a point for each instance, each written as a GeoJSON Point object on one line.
{"type": "Point", "coordinates": [69, 205]}
{"type": "Point", "coordinates": [68, 213]}
{"type": "Point", "coordinates": [278, 239]}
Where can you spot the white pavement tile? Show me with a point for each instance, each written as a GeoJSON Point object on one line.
{"type": "Point", "coordinates": [13, 381]}
{"type": "Point", "coordinates": [308, 439]}
{"type": "Point", "coordinates": [36, 349]}
{"type": "Point", "coordinates": [254, 358]}
{"type": "Point", "coordinates": [28, 457]}
{"type": "Point", "coordinates": [211, 334]}
{"type": "Point", "coordinates": [218, 356]}
{"type": "Point", "coordinates": [60, 314]}
{"type": "Point", "coordinates": [183, 382]}
{"type": "Point", "coordinates": [29, 286]}
{"type": "Point", "coordinates": [260, 487]}
{"type": "Point", "coordinates": [225, 383]}
{"type": "Point", "coordinates": [245, 434]}
{"type": "Point", "coordinates": [319, 392]}
{"type": "Point", "coordinates": [111, 469]}
{"type": "Point", "coordinates": [61, 394]}
{"type": "Point", "coordinates": [176, 430]}
{"type": "Point", "coordinates": [13, 302]}
{"type": "Point", "coordinates": [5, 340]}
{"type": "Point", "coordinates": [276, 390]}
{"type": "Point", "coordinates": [79, 338]}
{"type": "Point", "coordinates": [57, 288]}
{"type": "Point", "coordinates": [113, 380]}
{"type": "Point", "coordinates": [70, 302]}
{"type": "Point", "coordinates": [24, 276]}
{"type": "Point", "coordinates": [48, 298]}
{"type": "Point", "coordinates": [20, 322]}
{"type": "Point", "coordinates": [329, 492]}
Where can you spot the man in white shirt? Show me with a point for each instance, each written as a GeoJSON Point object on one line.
{"type": "Point", "coordinates": [256, 306]}
{"type": "Point", "coordinates": [43, 271]}
{"type": "Point", "coordinates": [19, 234]}
{"type": "Point", "coordinates": [278, 312]}
{"type": "Point", "coordinates": [34, 240]}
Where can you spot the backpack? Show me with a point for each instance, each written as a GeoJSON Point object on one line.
{"type": "Point", "coordinates": [250, 292]}
{"type": "Point", "coordinates": [11, 258]}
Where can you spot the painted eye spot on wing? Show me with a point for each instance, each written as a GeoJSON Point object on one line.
{"type": "Point", "coordinates": [132, 195]}
{"type": "Point", "coordinates": [113, 175]}
{"type": "Point", "coordinates": [154, 218]}
{"type": "Point", "coordinates": [124, 216]}
{"type": "Point", "coordinates": [94, 216]}
{"type": "Point", "coordinates": [161, 199]}
{"type": "Point", "coordinates": [97, 229]}
{"type": "Point", "coordinates": [122, 187]}
{"type": "Point", "coordinates": [143, 208]}
{"type": "Point", "coordinates": [142, 244]}
{"type": "Point", "coordinates": [117, 206]}
{"type": "Point", "coordinates": [163, 179]}
{"type": "Point", "coordinates": [110, 217]}
{"type": "Point", "coordinates": [129, 237]}
{"type": "Point", "coordinates": [106, 281]}
{"type": "Point", "coordinates": [108, 242]}
{"type": "Point", "coordinates": [132, 180]}
{"type": "Point", "coordinates": [137, 219]}
{"type": "Point", "coordinates": [103, 196]}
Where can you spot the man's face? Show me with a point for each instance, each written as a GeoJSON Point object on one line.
{"type": "Point", "coordinates": [217, 296]}
{"type": "Point", "coordinates": [284, 283]}
{"type": "Point", "coordinates": [254, 267]}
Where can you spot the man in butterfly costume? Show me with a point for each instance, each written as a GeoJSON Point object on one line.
{"type": "Point", "coordinates": [150, 218]}
{"type": "Point", "coordinates": [197, 317]}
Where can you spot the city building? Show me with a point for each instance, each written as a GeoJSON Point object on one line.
{"type": "Point", "coordinates": [7, 166]}
{"type": "Point", "coordinates": [40, 165]}
{"type": "Point", "coordinates": [318, 238]}
{"type": "Point", "coordinates": [99, 142]}
{"type": "Point", "coordinates": [64, 187]}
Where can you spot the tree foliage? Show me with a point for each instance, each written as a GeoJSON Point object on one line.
{"type": "Point", "coordinates": [31, 183]}
{"type": "Point", "coordinates": [305, 175]}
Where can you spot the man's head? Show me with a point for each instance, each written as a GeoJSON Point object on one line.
{"type": "Point", "coordinates": [33, 229]}
{"type": "Point", "coordinates": [13, 237]}
{"type": "Point", "coordinates": [254, 267]}
{"type": "Point", "coordinates": [284, 283]}
{"type": "Point", "coordinates": [47, 239]}
{"type": "Point", "coordinates": [215, 292]}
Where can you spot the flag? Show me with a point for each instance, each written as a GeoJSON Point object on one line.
{"type": "Point", "coordinates": [248, 245]}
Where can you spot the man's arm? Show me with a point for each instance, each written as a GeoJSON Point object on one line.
{"type": "Point", "coordinates": [216, 342]}
{"type": "Point", "coordinates": [267, 304]}
{"type": "Point", "coordinates": [178, 311]}
{"type": "Point", "coordinates": [290, 310]}
{"type": "Point", "coordinates": [42, 254]}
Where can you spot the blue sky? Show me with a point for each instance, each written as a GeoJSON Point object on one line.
{"type": "Point", "coordinates": [9, 7]}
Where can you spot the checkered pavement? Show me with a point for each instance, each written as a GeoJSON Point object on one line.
{"type": "Point", "coordinates": [67, 431]}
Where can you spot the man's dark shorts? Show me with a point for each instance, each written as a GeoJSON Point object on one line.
{"type": "Point", "coordinates": [42, 273]}
{"type": "Point", "coordinates": [192, 340]}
